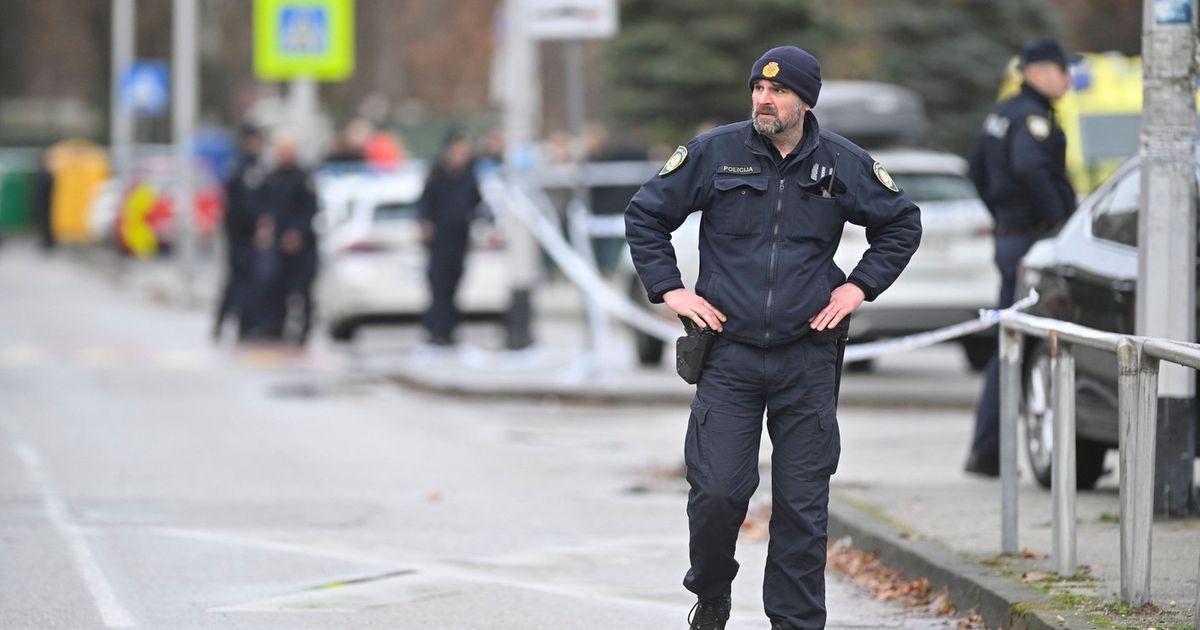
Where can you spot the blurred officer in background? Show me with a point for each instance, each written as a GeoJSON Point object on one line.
{"type": "Point", "coordinates": [775, 192]}
{"type": "Point", "coordinates": [447, 207]}
{"type": "Point", "coordinates": [1019, 166]}
{"type": "Point", "coordinates": [241, 216]}
{"type": "Point", "coordinates": [289, 197]}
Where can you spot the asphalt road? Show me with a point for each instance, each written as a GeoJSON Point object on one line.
{"type": "Point", "coordinates": [149, 479]}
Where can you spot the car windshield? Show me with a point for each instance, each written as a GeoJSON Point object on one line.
{"type": "Point", "coordinates": [388, 212]}
{"type": "Point", "coordinates": [924, 187]}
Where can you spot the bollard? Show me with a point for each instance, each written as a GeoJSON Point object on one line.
{"type": "Point", "coordinates": [1137, 482]}
{"type": "Point", "coordinates": [1063, 462]}
{"type": "Point", "coordinates": [1010, 397]}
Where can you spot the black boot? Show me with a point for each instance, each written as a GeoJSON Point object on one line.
{"type": "Point", "coordinates": [710, 614]}
{"type": "Point", "coordinates": [781, 625]}
{"type": "Point", "coordinates": [983, 464]}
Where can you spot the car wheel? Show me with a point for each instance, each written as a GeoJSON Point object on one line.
{"type": "Point", "coordinates": [649, 349]}
{"type": "Point", "coordinates": [343, 332]}
{"type": "Point", "coordinates": [1037, 415]}
{"type": "Point", "coordinates": [979, 351]}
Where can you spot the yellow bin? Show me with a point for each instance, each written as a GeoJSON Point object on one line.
{"type": "Point", "coordinates": [79, 169]}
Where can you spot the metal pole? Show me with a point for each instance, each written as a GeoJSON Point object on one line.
{"type": "Point", "coordinates": [1166, 301]}
{"type": "Point", "coordinates": [1010, 395]}
{"type": "Point", "coordinates": [304, 104]}
{"type": "Point", "coordinates": [520, 116]}
{"type": "Point", "coordinates": [1137, 481]}
{"type": "Point", "coordinates": [1063, 462]}
{"type": "Point", "coordinates": [124, 39]}
{"type": "Point", "coordinates": [183, 57]}
{"type": "Point", "coordinates": [1197, 612]}
{"type": "Point", "coordinates": [579, 209]}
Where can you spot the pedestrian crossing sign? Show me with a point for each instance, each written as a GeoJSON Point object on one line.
{"type": "Point", "coordinates": [303, 39]}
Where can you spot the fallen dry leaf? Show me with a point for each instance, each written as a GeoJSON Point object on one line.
{"type": "Point", "coordinates": [942, 605]}
{"type": "Point", "coordinates": [1035, 555]}
{"type": "Point", "coordinates": [1036, 576]}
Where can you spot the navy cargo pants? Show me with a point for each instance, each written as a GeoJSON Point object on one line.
{"type": "Point", "coordinates": [794, 384]}
{"type": "Point", "coordinates": [1009, 252]}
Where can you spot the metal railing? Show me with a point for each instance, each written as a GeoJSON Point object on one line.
{"type": "Point", "coordinates": [1138, 361]}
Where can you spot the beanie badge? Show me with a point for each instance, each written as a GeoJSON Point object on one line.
{"type": "Point", "coordinates": [771, 70]}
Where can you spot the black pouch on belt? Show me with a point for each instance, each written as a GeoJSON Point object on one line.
{"type": "Point", "coordinates": [691, 350]}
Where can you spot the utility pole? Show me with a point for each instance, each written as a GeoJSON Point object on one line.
{"type": "Point", "coordinates": [120, 130]}
{"type": "Point", "coordinates": [1166, 295]}
{"type": "Point", "coordinates": [521, 113]}
{"type": "Point", "coordinates": [183, 118]}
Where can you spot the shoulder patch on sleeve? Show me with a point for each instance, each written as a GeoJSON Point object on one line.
{"type": "Point", "coordinates": [1039, 127]}
{"type": "Point", "coordinates": [884, 177]}
{"type": "Point", "coordinates": [674, 161]}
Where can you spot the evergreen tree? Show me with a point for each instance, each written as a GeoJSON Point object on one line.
{"type": "Point", "coordinates": [953, 53]}
{"type": "Point", "coordinates": [677, 65]}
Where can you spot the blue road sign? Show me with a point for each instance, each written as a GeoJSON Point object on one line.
{"type": "Point", "coordinates": [304, 30]}
{"type": "Point", "coordinates": [145, 88]}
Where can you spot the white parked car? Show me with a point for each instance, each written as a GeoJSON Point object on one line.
{"type": "Point", "coordinates": [949, 279]}
{"type": "Point", "coordinates": [374, 263]}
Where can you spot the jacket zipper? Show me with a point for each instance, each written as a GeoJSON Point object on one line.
{"type": "Point", "coordinates": [771, 265]}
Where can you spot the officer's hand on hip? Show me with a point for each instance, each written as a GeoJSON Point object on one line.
{"type": "Point", "coordinates": [692, 306]}
{"type": "Point", "coordinates": [843, 301]}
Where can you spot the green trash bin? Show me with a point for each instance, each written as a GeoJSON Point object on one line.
{"type": "Point", "coordinates": [16, 192]}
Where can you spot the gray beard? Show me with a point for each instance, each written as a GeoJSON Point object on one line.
{"type": "Point", "coordinates": [768, 129]}
{"type": "Point", "coordinates": [777, 126]}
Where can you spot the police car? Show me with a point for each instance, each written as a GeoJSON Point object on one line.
{"type": "Point", "coordinates": [373, 260]}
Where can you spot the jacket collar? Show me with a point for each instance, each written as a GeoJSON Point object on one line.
{"type": "Point", "coordinates": [1030, 91]}
{"type": "Point", "coordinates": [809, 143]}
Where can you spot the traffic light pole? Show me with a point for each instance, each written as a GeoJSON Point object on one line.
{"type": "Point", "coordinates": [1166, 298]}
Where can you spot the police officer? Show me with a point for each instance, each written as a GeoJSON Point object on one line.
{"type": "Point", "coordinates": [447, 207]}
{"type": "Point", "coordinates": [289, 197]}
{"type": "Point", "coordinates": [775, 192]}
{"type": "Point", "coordinates": [239, 221]}
{"type": "Point", "coordinates": [1019, 167]}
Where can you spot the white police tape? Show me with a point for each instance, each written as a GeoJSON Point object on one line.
{"type": "Point", "coordinates": [520, 201]}
{"type": "Point", "coordinates": [987, 318]}
{"type": "Point", "coordinates": [530, 206]}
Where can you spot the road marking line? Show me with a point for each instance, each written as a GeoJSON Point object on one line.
{"type": "Point", "coordinates": [112, 613]}
{"type": "Point", "coordinates": [271, 545]}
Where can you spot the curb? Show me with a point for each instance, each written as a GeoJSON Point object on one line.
{"type": "Point", "coordinates": [1001, 602]}
{"type": "Point", "coordinates": [463, 382]}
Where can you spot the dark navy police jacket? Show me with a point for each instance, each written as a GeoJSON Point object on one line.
{"type": "Point", "coordinates": [1019, 165]}
{"type": "Point", "coordinates": [770, 227]}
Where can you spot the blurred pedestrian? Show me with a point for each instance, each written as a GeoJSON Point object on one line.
{"type": "Point", "coordinates": [290, 198]}
{"type": "Point", "coordinates": [447, 207]}
{"type": "Point", "coordinates": [1019, 167]}
{"type": "Point", "coordinates": [351, 144]}
{"type": "Point", "coordinates": [43, 201]}
{"type": "Point", "coordinates": [241, 216]}
{"type": "Point", "coordinates": [775, 192]}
